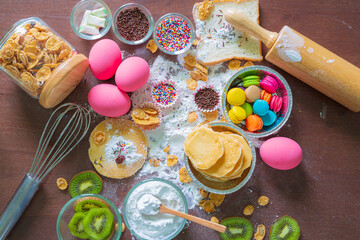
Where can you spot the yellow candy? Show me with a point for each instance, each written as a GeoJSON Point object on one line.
{"type": "Point", "coordinates": [237, 114]}
{"type": "Point", "coordinates": [235, 96]}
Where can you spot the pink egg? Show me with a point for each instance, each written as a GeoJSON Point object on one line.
{"type": "Point", "coordinates": [104, 59]}
{"type": "Point", "coordinates": [281, 153]}
{"type": "Point", "coordinates": [108, 100]}
{"type": "Point", "coordinates": [132, 74]}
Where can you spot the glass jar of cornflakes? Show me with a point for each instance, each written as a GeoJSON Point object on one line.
{"type": "Point", "coordinates": [41, 62]}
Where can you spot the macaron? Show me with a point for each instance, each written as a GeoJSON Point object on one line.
{"type": "Point", "coordinates": [237, 114]}
{"type": "Point", "coordinates": [269, 84]}
{"type": "Point", "coordinates": [235, 96]}
{"type": "Point", "coordinates": [260, 107]}
{"type": "Point", "coordinates": [248, 108]}
{"type": "Point", "coordinates": [253, 123]}
{"type": "Point", "coordinates": [251, 80]}
{"type": "Point", "coordinates": [264, 95]}
{"type": "Point", "coordinates": [276, 103]}
{"type": "Point", "coordinates": [252, 93]}
{"type": "Point", "coordinates": [269, 118]}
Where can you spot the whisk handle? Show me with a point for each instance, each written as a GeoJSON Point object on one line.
{"type": "Point", "coordinates": [17, 205]}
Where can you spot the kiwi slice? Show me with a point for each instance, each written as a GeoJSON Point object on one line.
{"type": "Point", "coordinates": [86, 203]}
{"type": "Point", "coordinates": [285, 228]}
{"type": "Point", "coordinates": [237, 228]}
{"type": "Point", "coordinates": [85, 182]}
{"type": "Point", "coordinates": [76, 226]}
{"type": "Point", "coordinates": [98, 223]}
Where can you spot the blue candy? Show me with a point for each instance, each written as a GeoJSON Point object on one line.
{"type": "Point", "coordinates": [269, 118]}
{"type": "Point", "coordinates": [260, 107]}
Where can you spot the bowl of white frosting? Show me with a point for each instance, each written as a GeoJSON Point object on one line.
{"type": "Point", "coordinates": [141, 205]}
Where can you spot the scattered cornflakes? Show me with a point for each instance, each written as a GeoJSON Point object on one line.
{"type": "Point", "coordinates": [192, 117]}
{"type": "Point", "coordinates": [234, 64]}
{"type": "Point", "coordinates": [217, 198]}
{"type": "Point", "coordinates": [43, 74]}
{"type": "Point", "coordinates": [248, 210]}
{"type": "Point", "coordinates": [61, 183]}
{"type": "Point", "coordinates": [198, 75]}
{"type": "Point", "coordinates": [151, 45]}
{"type": "Point", "coordinates": [263, 200]}
{"type": "Point", "coordinates": [203, 193]}
{"type": "Point", "coordinates": [260, 232]}
{"type": "Point", "coordinates": [139, 114]}
{"type": "Point", "coordinates": [191, 84]}
{"type": "Point", "coordinates": [208, 206]}
{"type": "Point", "coordinates": [223, 119]}
{"type": "Point", "coordinates": [154, 162]}
{"type": "Point", "coordinates": [167, 149]}
{"type": "Point", "coordinates": [248, 64]}
{"type": "Point", "coordinates": [214, 219]}
{"type": "Point", "coordinates": [211, 116]}
{"type": "Point", "coordinates": [99, 137]}
{"type": "Point", "coordinates": [190, 60]}
{"type": "Point", "coordinates": [122, 227]}
{"type": "Point", "coordinates": [53, 44]}
{"type": "Point", "coordinates": [188, 67]}
{"type": "Point", "coordinates": [204, 9]}
{"type": "Point", "coordinates": [146, 117]}
{"type": "Point", "coordinates": [184, 176]}
{"type": "Point", "coordinates": [201, 68]}
{"type": "Point", "coordinates": [195, 42]}
{"type": "Point", "coordinates": [171, 160]}
{"type": "Point", "coordinates": [150, 111]}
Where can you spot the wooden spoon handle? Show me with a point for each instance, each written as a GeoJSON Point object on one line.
{"type": "Point", "coordinates": [203, 222]}
{"type": "Point", "coordinates": [245, 24]}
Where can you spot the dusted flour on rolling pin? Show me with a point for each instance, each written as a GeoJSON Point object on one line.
{"type": "Point", "coordinates": [306, 60]}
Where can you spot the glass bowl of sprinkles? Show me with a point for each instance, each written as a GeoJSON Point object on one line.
{"type": "Point", "coordinates": [164, 94]}
{"type": "Point", "coordinates": [133, 23]}
{"type": "Point", "coordinates": [174, 33]}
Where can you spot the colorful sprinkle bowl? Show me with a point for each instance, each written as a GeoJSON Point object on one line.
{"type": "Point", "coordinates": [229, 186]}
{"type": "Point", "coordinates": [283, 91]}
{"type": "Point", "coordinates": [174, 33]}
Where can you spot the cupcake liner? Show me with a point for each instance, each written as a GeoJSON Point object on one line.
{"type": "Point", "coordinates": [215, 106]}
{"type": "Point", "coordinates": [165, 105]}
{"type": "Point", "coordinates": [160, 116]}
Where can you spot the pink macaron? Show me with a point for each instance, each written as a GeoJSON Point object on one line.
{"type": "Point", "coordinates": [269, 84]}
{"type": "Point", "coordinates": [276, 103]}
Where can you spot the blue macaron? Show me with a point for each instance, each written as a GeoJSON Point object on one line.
{"type": "Point", "coordinates": [260, 107]}
{"type": "Point", "coordinates": [269, 118]}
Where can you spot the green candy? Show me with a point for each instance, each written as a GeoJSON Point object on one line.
{"type": "Point", "coordinates": [251, 80]}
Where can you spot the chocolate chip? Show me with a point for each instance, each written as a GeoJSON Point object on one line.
{"type": "Point", "coordinates": [132, 24]}
{"type": "Point", "coordinates": [120, 159]}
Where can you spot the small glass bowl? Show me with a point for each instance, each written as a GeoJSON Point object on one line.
{"type": "Point", "coordinates": [77, 15]}
{"type": "Point", "coordinates": [229, 186]}
{"type": "Point", "coordinates": [126, 213]}
{"type": "Point", "coordinates": [283, 91]}
{"type": "Point", "coordinates": [67, 212]}
{"type": "Point", "coordinates": [174, 15]}
{"type": "Point", "coordinates": [147, 14]}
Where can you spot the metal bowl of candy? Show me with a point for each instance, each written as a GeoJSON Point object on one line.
{"type": "Point", "coordinates": [258, 100]}
{"type": "Point", "coordinates": [174, 33]}
{"type": "Point", "coordinates": [91, 19]}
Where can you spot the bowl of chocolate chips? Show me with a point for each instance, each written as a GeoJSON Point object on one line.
{"type": "Point", "coordinates": [133, 23]}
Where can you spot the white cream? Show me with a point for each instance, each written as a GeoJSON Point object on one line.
{"type": "Point", "coordinates": [158, 226]}
{"type": "Point", "coordinates": [148, 204]}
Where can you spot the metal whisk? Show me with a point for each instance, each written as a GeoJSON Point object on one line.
{"type": "Point", "coordinates": [77, 121]}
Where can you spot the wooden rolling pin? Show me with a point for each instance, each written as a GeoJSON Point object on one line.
{"type": "Point", "coordinates": [306, 60]}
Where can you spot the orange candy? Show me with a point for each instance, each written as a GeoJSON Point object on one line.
{"type": "Point", "coordinates": [265, 96]}
{"type": "Point", "coordinates": [253, 123]}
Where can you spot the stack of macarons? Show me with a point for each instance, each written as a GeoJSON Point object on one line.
{"type": "Point", "coordinates": [254, 101]}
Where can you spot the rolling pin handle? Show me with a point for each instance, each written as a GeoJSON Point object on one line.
{"type": "Point", "coordinates": [239, 21]}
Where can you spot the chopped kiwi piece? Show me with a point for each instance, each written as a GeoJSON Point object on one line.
{"type": "Point", "coordinates": [87, 203]}
{"type": "Point", "coordinates": [85, 182]}
{"type": "Point", "coordinates": [76, 226]}
{"type": "Point", "coordinates": [285, 228]}
{"type": "Point", "coordinates": [237, 228]}
{"type": "Point", "coordinates": [98, 223]}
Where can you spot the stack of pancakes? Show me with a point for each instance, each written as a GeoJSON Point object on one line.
{"type": "Point", "coordinates": [220, 156]}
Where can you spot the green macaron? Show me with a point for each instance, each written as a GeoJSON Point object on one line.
{"type": "Point", "coordinates": [251, 80]}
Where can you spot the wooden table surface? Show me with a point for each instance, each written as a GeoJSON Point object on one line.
{"type": "Point", "coordinates": [322, 193]}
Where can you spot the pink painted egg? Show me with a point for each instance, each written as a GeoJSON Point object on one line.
{"type": "Point", "coordinates": [108, 100]}
{"type": "Point", "coordinates": [132, 74]}
{"type": "Point", "coordinates": [281, 153]}
{"type": "Point", "coordinates": [104, 59]}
